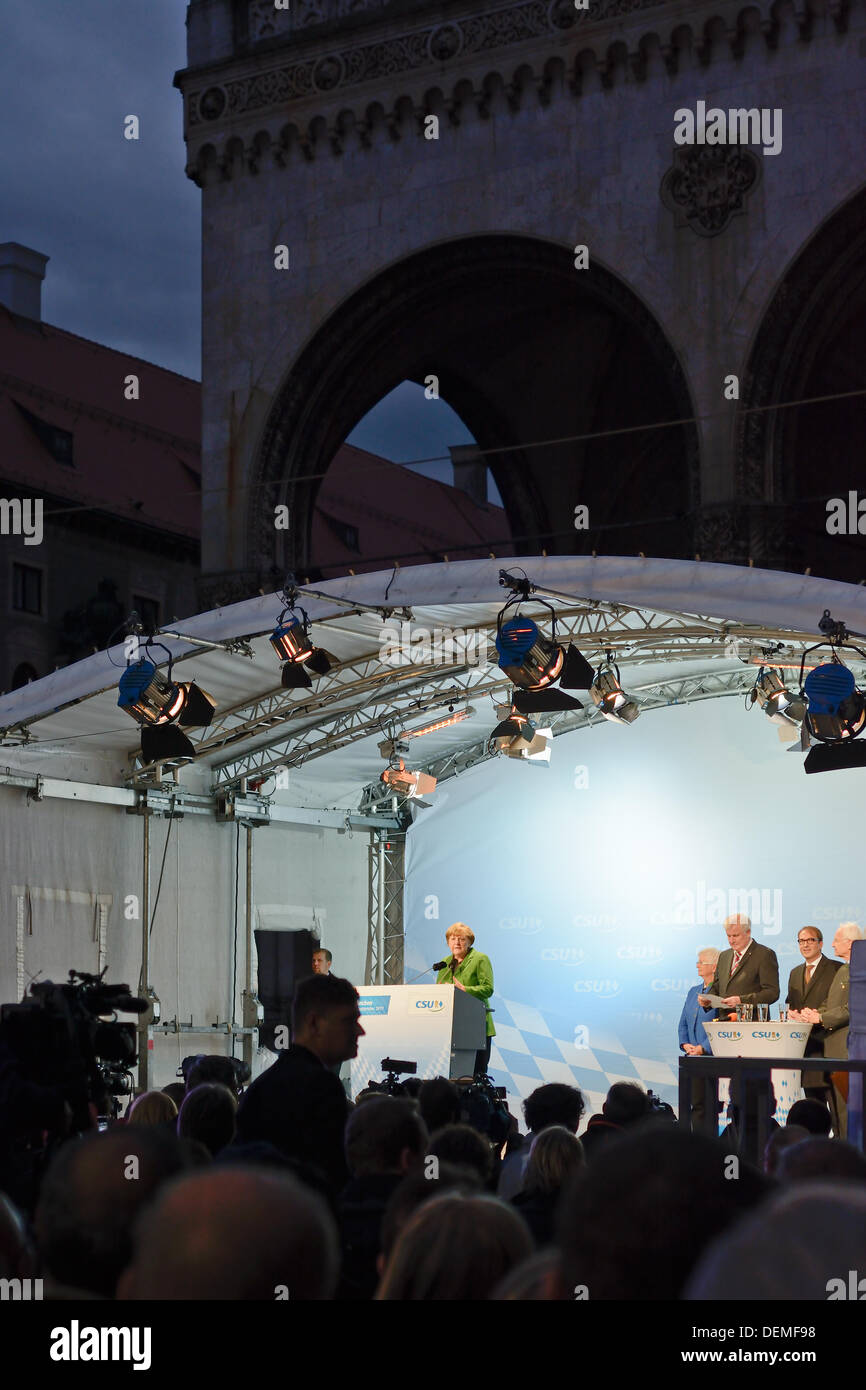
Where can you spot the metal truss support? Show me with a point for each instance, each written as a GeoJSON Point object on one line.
{"type": "Point", "coordinates": [673, 690]}
{"type": "Point", "coordinates": [384, 964]}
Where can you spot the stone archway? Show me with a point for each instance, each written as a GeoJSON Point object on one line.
{"type": "Point", "coordinates": [811, 343]}
{"type": "Point", "coordinates": [527, 349]}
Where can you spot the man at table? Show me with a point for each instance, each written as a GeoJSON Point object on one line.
{"type": "Point", "coordinates": [833, 1018]}
{"type": "Point", "coordinates": [808, 986]}
{"type": "Point", "coordinates": [747, 973]}
{"type": "Point", "coordinates": [692, 1035]}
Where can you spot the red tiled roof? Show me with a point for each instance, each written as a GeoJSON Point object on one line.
{"type": "Point", "coordinates": [398, 513]}
{"type": "Point", "coordinates": [135, 459]}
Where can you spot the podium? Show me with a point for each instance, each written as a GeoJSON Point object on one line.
{"type": "Point", "coordinates": [436, 1026]}
{"type": "Point", "coordinates": [763, 1040]}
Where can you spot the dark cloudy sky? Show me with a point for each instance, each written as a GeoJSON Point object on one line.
{"type": "Point", "coordinates": [119, 218]}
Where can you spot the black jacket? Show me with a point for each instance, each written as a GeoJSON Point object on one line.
{"type": "Point", "coordinates": [299, 1106]}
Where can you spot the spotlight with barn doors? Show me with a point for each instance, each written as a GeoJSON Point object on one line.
{"type": "Point", "coordinates": [835, 707]}
{"type": "Point", "coordinates": [292, 643]}
{"type": "Point", "coordinates": [777, 702]}
{"type": "Point", "coordinates": [533, 662]}
{"type": "Point", "coordinates": [411, 785]}
{"type": "Point", "coordinates": [163, 707]}
{"type": "Point", "coordinates": [517, 737]}
{"type": "Point", "coordinates": [607, 693]}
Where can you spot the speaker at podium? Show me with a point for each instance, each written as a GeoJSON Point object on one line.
{"type": "Point", "coordinates": [438, 1027]}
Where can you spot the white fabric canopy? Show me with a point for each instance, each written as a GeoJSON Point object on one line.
{"type": "Point", "coordinates": [79, 703]}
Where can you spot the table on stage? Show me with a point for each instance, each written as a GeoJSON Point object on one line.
{"type": "Point", "coordinates": [763, 1040]}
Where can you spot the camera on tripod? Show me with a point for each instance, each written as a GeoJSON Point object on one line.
{"type": "Point", "coordinates": [62, 1036]}
{"type": "Point", "coordinates": [392, 1085]}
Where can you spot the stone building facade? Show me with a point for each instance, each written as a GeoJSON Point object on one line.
{"type": "Point", "coordinates": [599, 378]}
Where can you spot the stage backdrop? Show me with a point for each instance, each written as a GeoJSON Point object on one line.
{"type": "Point", "coordinates": [593, 881]}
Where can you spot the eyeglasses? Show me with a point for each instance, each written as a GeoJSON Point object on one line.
{"type": "Point", "coordinates": [807, 940]}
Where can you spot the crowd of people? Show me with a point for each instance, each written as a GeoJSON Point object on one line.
{"type": "Point", "coordinates": [290, 1191]}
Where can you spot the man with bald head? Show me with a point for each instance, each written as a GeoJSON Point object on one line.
{"type": "Point", "coordinates": [747, 973]}
{"type": "Point", "coordinates": [234, 1234]}
{"type": "Point", "coordinates": [91, 1195]}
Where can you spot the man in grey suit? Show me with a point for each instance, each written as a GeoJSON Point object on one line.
{"type": "Point", "coordinates": [833, 1018]}
{"type": "Point", "coordinates": [747, 973]}
{"type": "Point", "coordinates": [808, 985]}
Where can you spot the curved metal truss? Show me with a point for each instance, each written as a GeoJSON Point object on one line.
{"type": "Point", "coordinates": [366, 696]}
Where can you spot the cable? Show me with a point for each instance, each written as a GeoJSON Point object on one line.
{"type": "Point", "coordinates": [379, 464]}
{"type": "Point", "coordinates": [171, 819]}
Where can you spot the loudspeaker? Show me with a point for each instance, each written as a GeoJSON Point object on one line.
{"type": "Point", "coordinates": [285, 959]}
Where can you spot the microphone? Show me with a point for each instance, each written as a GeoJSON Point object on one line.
{"type": "Point", "coordinates": [440, 965]}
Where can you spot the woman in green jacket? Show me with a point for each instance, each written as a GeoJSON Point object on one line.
{"type": "Point", "coordinates": [472, 972]}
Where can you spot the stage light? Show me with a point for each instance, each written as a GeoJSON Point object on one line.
{"type": "Point", "coordinates": [161, 705]}
{"type": "Point", "coordinates": [532, 661]}
{"type": "Point", "coordinates": [146, 695]}
{"type": "Point", "coordinates": [456, 717]}
{"type": "Point", "coordinates": [528, 659]}
{"type": "Point", "coordinates": [783, 708]}
{"type": "Point", "coordinates": [608, 695]}
{"type": "Point", "coordinates": [517, 737]}
{"type": "Point", "coordinates": [292, 643]}
{"type": "Point", "coordinates": [409, 784]}
{"type": "Point", "coordinates": [836, 709]}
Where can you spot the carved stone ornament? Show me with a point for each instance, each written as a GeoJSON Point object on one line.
{"type": "Point", "coordinates": [709, 184]}
{"type": "Point", "coordinates": [328, 73]}
{"type": "Point", "coordinates": [212, 104]}
{"type": "Point", "coordinates": [365, 59]}
{"type": "Point", "coordinates": [562, 14]}
{"type": "Point", "coordinates": [445, 43]}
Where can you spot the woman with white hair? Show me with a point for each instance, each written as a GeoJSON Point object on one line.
{"type": "Point", "coordinates": [692, 1035]}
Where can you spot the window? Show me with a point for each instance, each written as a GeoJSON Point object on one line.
{"type": "Point", "coordinates": [58, 442]}
{"type": "Point", "coordinates": [23, 675]}
{"type": "Point", "coordinates": [344, 531]}
{"type": "Point", "coordinates": [26, 589]}
{"type": "Point", "coordinates": [147, 610]}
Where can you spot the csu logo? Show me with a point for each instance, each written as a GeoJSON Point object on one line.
{"type": "Point", "coordinates": [605, 989]}
{"type": "Point", "coordinates": [639, 953]}
{"type": "Point", "coordinates": [768, 1036]}
{"type": "Point", "coordinates": [430, 1006]}
{"type": "Point", "coordinates": [528, 925]}
{"type": "Point", "coordinates": [676, 986]}
{"type": "Point", "coordinates": [730, 1034]}
{"type": "Point", "coordinates": [570, 955]}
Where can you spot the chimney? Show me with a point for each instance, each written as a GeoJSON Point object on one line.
{"type": "Point", "coordinates": [470, 471]}
{"type": "Point", "coordinates": [21, 274]}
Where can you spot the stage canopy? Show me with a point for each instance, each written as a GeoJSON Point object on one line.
{"type": "Point", "coordinates": [411, 644]}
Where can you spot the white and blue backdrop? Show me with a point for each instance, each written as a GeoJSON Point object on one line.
{"type": "Point", "coordinates": [592, 882]}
